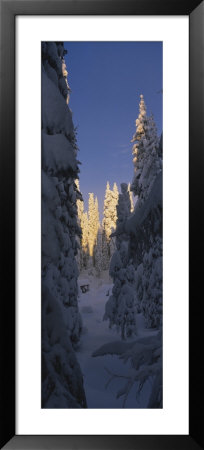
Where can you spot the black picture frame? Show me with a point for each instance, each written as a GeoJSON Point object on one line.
{"type": "Point", "coordinates": [9, 10]}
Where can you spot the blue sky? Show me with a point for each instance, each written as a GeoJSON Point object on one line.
{"type": "Point", "coordinates": [106, 80]}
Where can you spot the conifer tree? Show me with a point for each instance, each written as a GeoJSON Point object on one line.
{"type": "Point", "coordinates": [123, 211]}
{"type": "Point", "coordinates": [115, 195]}
{"type": "Point", "coordinates": [138, 147]}
{"type": "Point", "coordinates": [136, 265]}
{"type": "Point", "coordinates": [113, 218]}
{"type": "Point", "coordinates": [106, 211]}
{"type": "Point", "coordinates": [91, 228]}
{"type": "Point", "coordinates": [121, 306]}
{"type": "Point", "coordinates": [109, 222]}
{"type": "Point", "coordinates": [109, 212]}
{"type": "Point", "coordinates": [105, 250]}
{"type": "Point", "coordinates": [96, 217]}
{"type": "Point", "coordinates": [62, 381]}
{"type": "Point", "coordinates": [146, 249]}
{"type": "Point", "coordinates": [146, 160]}
{"type": "Point", "coordinates": [85, 240]}
{"type": "Point", "coordinates": [80, 202]}
{"type": "Point", "coordinates": [143, 242]}
{"type": "Point", "coordinates": [93, 225]}
{"type": "Point", "coordinates": [96, 233]}
{"type": "Point", "coordinates": [98, 253]}
{"type": "Point", "coordinates": [106, 224]}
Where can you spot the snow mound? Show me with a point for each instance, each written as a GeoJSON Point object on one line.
{"type": "Point", "coordinates": [87, 309]}
{"type": "Point", "coordinates": [113, 348]}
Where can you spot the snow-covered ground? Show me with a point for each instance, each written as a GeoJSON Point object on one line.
{"type": "Point", "coordinates": [96, 333]}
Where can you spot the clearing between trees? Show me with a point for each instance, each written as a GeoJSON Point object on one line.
{"type": "Point", "coordinates": [101, 390]}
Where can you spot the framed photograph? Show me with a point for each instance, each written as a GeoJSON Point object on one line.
{"type": "Point", "coordinates": [101, 172]}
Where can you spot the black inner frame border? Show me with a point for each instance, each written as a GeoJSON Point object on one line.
{"type": "Point", "coordinates": [9, 10]}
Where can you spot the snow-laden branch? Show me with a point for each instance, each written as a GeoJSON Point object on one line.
{"type": "Point", "coordinates": [145, 355]}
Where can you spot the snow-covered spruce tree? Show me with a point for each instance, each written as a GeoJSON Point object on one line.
{"type": "Point", "coordinates": [93, 225]}
{"type": "Point", "coordinates": [105, 250]}
{"type": "Point", "coordinates": [98, 240]}
{"type": "Point", "coordinates": [123, 211]}
{"type": "Point", "coordinates": [113, 215]}
{"type": "Point", "coordinates": [62, 381]}
{"type": "Point", "coordinates": [96, 217]}
{"type": "Point", "coordinates": [146, 250]}
{"type": "Point", "coordinates": [98, 253]}
{"type": "Point", "coordinates": [144, 231]}
{"type": "Point", "coordinates": [106, 211]}
{"type": "Point", "coordinates": [147, 163]}
{"type": "Point", "coordinates": [145, 247]}
{"type": "Point", "coordinates": [106, 232]}
{"type": "Point", "coordinates": [85, 240]}
{"type": "Point", "coordinates": [144, 228]}
{"type": "Point", "coordinates": [109, 222]}
{"type": "Point", "coordinates": [115, 196]}
{"type": "Point", "coordinates": [120, 308]}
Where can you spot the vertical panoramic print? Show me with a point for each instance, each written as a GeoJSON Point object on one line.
{"type": "Point", "coordinates": [102, 211]}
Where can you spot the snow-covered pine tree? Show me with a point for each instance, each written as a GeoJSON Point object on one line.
{"type": "Point", "coordinates": [109, 222]}
{"type": "Point", "coordinates": [96, 232]}
{"type": "Point", "coordinates": [147, 163]}
{"type": "Point", "coordinates": [120, 308]}
{"type": "Point", "coordinates": [85, 240]}
{"type": "Point", "coordinates": [106, 211]}
{"type": "Point", "coordinates": [140, 239]}
{"type": "Point", "coordinates": [146, 249]}
{"type": "Point", "coordinates": [113, 216]}
{"type": "Point", "coordinates": [105, 250]}
{"type": "Point", "coordinates": [93, 225]}
{"type": "Point", "coordinates": [115, 195]}
{"type": "Point", "coordinates": [62, 381]}
{"type": "Point", "coordinates": [138, 147]}
{"type": "Point", "coordinates": [96, 216]}
{"type": "Point", "coordinates": [98, 253]}
{"type": "Point", "coordinates": [123, 211]}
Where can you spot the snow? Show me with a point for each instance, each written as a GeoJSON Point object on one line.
{"type": "Point", "coordinates": [83, 281]}
{"type": "Point", "coordinates": [96, 335]}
